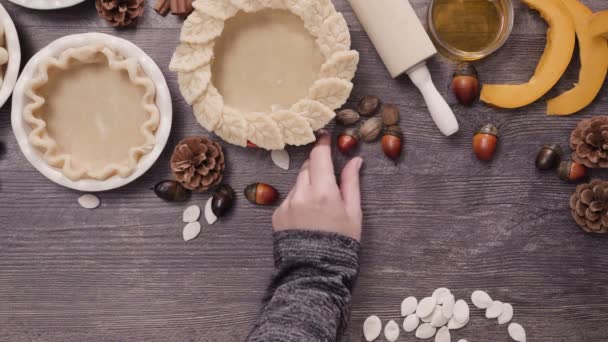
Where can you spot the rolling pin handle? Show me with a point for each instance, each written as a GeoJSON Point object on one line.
{"type": "Point", "coordinates": [442, 114]}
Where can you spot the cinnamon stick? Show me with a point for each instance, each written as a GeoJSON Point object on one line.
{"type": "Point", "coordinates": [162, 7]}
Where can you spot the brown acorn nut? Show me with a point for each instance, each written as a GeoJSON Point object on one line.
{"type": "Point", "coordinates": [369, 105]}
{"type": "Point", "coordinates": [371, 129]}
{"type": "Point", "coordinates": [465, 83]}
{"type": "Point", "coordinates": [548, 157]}
{"type": "Point", "coordinates": [171, 191]}
{"type": "Point", "coordinates": [261, 194]}
{"type": "Point", "coordinates": [392, 142]}
{"type": "Point", "coordinates": [485, 141]}
{"type": "Point", "coordinates": [390, 114]}
{"type": "Point", "coordinates": [347, 117]}
{"type": "Point", "coordinates": [348, 140]}
{"type": "Point", "coordinates": [222, 200]}
{"type": "Point", "coordinates": [571, 171]}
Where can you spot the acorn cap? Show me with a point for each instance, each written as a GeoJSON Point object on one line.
{"type": "Point", "coordinates": [393, 130]}
{"type": "Point", "coordinates": [488, 129]}
{"type": "Point", "coordinates": [465, 69]}
{"type": "Point", "coordinates": [564, 170]}
{"type": "Point", "coordinates": [353, 132]}
{"type": "Point", "coordinates": [554, 147]}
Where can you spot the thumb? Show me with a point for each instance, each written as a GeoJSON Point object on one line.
{"type": "Point", "coordinates": [349, 187]}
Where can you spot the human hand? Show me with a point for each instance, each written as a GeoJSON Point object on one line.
{"type": "Point", "coordinates": [316, 202]}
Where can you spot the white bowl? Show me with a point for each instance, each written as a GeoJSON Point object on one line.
{"type": "Point", "coordinates": [14, 56]}
{"type": "Point", "coordinates": [46, 4]}
{"type": "Point", "coordinates": [127, 49]}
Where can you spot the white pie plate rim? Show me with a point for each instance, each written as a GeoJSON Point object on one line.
{"type": "Point", "coordinates": [163, 101]}
{"type": "Point", "coordinates": [46, 4]}
{"type": "Point", "coordinates": [14, 55]}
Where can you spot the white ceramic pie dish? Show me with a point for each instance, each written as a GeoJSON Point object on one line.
{"type": "Point", "coordinates": [46, 4]}
{"type": "Point", "coordinates": [14, 56]}
{"type": "Point", "coordinates": [163, 101]}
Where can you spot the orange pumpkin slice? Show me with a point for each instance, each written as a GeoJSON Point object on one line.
{"type": "Point", "coordinates": [552, 65]}
{"type": "Point", "coordinates": [599, 24]}
{"type": "Point", "coordinates": [594, 64]}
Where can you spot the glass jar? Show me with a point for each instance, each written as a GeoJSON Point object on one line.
{"type": "Point", "coordinates": [469, 29]}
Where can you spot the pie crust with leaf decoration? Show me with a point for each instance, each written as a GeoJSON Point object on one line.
{"type": "Point", "coordinates": [266, 71]}
{"type": "Point", "coordinates": [92, 112]}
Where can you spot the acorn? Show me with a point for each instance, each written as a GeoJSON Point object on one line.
{"type": "Point", "coordinates": [571, 171]}
{"type": "Point", "coordinates": [370, 129]}
{"type": "Point", "coordinates": [348, 140]}
{"type": "Point", "coordinates": [347, 117]}
{"type": "Point", "coordinates": [465, 83]}
{"type": "Point", "coordinates": [485, 141]}
{"type": "Point", "coordinates": [171, 191]}
{"type": "Point", "coordinates": [369, 105]}
{"type": "Point", "coordinates": [261, 194]}
{"type": "Point", "coordinates": [390, 114]}
{"type": "Point", "coordinates": [548, 157]}
{"type": "Point", "coordinates": [392, 142]}
{"type": "Point", "coordinates": [223, 200]}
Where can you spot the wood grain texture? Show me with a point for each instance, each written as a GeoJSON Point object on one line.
{"type": "Point", "coordinates": [440, 218]}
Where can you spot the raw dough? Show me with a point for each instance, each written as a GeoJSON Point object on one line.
{"type": "Point", "coordinates": [92, 113]}
{"type": "Point", "coordinates": [263, 59]}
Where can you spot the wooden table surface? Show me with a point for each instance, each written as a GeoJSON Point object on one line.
{"type": "Point", "coordinates": [439, 218]}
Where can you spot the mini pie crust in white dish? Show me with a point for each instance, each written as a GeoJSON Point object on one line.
{"type": "Point", "coordinates": [10, 42]}
{"type": "Point", "coordinates": [270, 72]}
{"type": "Point", "coordinates": [91, 112]}
{"type": "Point", "coordinates": [46, 4]}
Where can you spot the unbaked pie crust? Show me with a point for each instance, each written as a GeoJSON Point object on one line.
{"type": "Point", "coordinates": [273, 89]}
{"type": "Point", "coordinates": [92, 112]}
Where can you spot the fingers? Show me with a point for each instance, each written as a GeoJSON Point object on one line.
{"type": "Point", "coordinates": [321, 164]}
{"type": "Point", "coordinates": [304, 175]}
{"type": "Point", "coordinates": [349, 186]}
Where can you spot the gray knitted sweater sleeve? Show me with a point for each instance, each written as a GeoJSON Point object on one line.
{"type": "Point", "coordinates": [309, 297]}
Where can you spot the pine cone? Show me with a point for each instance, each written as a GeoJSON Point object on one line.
{"type": "Point", "coordinates": [589, 142]}
{"type": "Point", "coordinates": [120, 13]}
{"type": "Point", "coordinates": [590, 206]}
{"type": "Point", "coordinates": [198, 163]}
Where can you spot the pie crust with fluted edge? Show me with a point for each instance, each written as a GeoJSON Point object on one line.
{"type": "Point", "coordinates": [92, 112]}
{"type": "Point", "coordinates": [278, 125]}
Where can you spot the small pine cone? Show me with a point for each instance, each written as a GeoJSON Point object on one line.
{"type": "Point", "coordinates": [198, 163]}
{"type": "Point", "coordinates": [589, 142]}
{"type": "Point", "coordinates": [589, 205]}
{"type": "Point", "coordinates": [120, 13]}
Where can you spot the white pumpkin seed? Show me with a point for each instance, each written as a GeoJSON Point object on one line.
{"type": "Point", "coordinates": [463, 340]}
{"type": "Point", "coordinates": [425, 331]}
{"type": "Point", "coordinates": [89, 201]}
{"type": "Point", "coordinates": [443, 335]}
{"type": "Point", "coordinates": [453, 324]}
{"type": "Point", "coordinates": [391, 331]}
{"type": "Point", "coordinates": [372, 327]}
{"type": "Point", "coordinates": [461, 311]}
{"type": "Point", "coordinates": [280, 159]}
{"type": "Point", "coordinates": [191, 231]}
{"type": "Point", "coordinates": [410, 323]}
{"type": "Point", "coordinates": [439, 293]}
{"type": "Point", "coordinates": [448, 306]}
{"type": "Point", "coordinates": [438, 319]}
{"type": "Point", "coordinates": [507, 314]}
{"type": "Point", "coordinates": [408, 306]}
{"type": "Point", "coordinates": [425, 307]}
{"type": "Point", "coordinates": [481, 299]}
{"type": "Point", "coordinates": [192, 213]}
{"type": "Point", "coordinates": [494, 310]}
{"type": "Point", "coordinates": [517, 332]}
{"type": "Point", "coordinates": [209, 215]}
{"type": "Point", "coordinates": [427, 319]}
